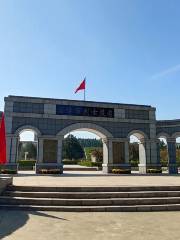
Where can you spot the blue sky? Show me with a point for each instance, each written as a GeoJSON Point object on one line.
{"type": "Point", "coordinates": [129, 50]}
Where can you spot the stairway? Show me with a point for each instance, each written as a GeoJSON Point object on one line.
{"type": "Point", "coordinates": [94, 199]}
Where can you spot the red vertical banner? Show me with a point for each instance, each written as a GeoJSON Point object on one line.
{"type": "Point", "coordinates": [3, 159]}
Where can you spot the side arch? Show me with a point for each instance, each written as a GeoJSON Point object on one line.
{"type": "Point", "coordinates": [176, 135]}
{"type": "Point", "coordinates": [27, 127]}
{"type": "Point", "coordinates": [163, 135]}
{"type": "Point", "coordinates": [138, 133]}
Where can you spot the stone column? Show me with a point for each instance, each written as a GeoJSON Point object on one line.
{"type": "Point", "coordinates": [8, 147]}
{"type": "Point", "coordinates": [158, 153]}
{"type": "Point", "coordinates": [173, 169]}
{"type": "Point", "coordinates": [59, 153]}
{"type": "Point", "coordinates": [143, 154]}
{"type": "Point", "coordinates": [116, 154]}
{"type": "Point", "coordinates": [127, 152]}
{"type": "Point", "coordinates": [11, 151]}
{"type": "Point", "coordinates": [49, 154]}
{"type": "Point", "coordinates": [154, 161]}
{"type": "Point", "coordinates": [107, 155]}
{"type": "Point", "coordinates": [40, 150]}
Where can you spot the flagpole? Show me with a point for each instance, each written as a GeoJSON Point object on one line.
{"type": "Point", "coordinates": [85, 91]}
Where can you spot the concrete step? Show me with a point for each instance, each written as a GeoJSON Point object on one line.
{"type": "Point", "coordinates": [93, 195]}
{"type": "Point", "coordinates": [139, 208]}
{"type": "Point", "coordinates": [96, 199]}
{"type": "Point", "coordinates": [93, 188]}
{"type": "Point", "coordinates": [88, 202]}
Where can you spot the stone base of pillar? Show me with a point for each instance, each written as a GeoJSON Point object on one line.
{"type": "Point", "coordinates": [11, 166]}
{"type": "Point", "coordinates": [173, 169]}
{"type": "Point", "coordinates": [39, 166]}
{"type": "Point", "coordinates": [142, 168]}
{"type": "Point", "coordinates": [107, 168]}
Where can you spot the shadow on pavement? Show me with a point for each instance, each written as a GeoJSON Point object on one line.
{"type": "Point", "coordinates": [11, 221]}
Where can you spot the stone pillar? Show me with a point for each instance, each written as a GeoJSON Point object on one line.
{"type": "Point", "coordinates": [173, 169]}
{"type": "Point", "coordinates": [154, 161]}
{"type": "Point", "coordinates": [11, 151]}
{"type": "Point", "coordinates": [107, 155]}
{"type": "Point", "coordinates": [158, 153]}
{"type": "Point", "coordinates": [143, 154]}
{"type": "Point", "coordinates": [149, 155]}
{"type": "Point", "coordinates": [59, 152]}
{"type": "Point", "coordinates": [116, 154]}
{"type": "Point", "coordinates": [49, 154]}
{"type": "Point", "coordinates": [40, 150]}
{"type": "Point", "coordinates": [127, 152]}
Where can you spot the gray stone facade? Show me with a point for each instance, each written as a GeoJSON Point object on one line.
{"type": "Point", "coordinates": [51, 119]}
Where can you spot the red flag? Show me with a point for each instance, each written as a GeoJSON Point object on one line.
{"type": "Point", "coordinates": [2, 141]}
{"type": "Point", "coordinates": [82, 86]}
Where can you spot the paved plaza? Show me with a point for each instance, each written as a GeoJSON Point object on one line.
{"type": "Point", "coordinates": [30, 225]}
{"type": "Point", "coordinates": [94, 178]}
{"type": "Point", "coordinates": [22, 225]}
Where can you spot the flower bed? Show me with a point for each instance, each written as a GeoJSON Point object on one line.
{"type": "Point", "coordinates": [153, 170]}
{"type": "Point", "coordinates": [49, 171]}
{"type": "Point", "coordinates": [8, 171]}
{"type": "Point", "coordinates": [121, 171]}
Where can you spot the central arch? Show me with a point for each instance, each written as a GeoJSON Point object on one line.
{"type": "Point", "coordinates": [91, 127]}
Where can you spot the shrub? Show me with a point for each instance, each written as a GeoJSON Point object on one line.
{"type": "Point", "coordinates": [121, 171]}
{"type": "Point", "coordinates": [8, 171]}
{"type": "Point", "coordinates": [69, 162]}
{"type": "Point", "coordinates": [49, 171]}
{"type": "Point", "coordinates": [154, 170]}
{"type": "Point", "coordinates": [89, 163]}
{"type": "Point", "coordinates": [26, 163]}
{"type": "Point", "coordinates": [89, 150]}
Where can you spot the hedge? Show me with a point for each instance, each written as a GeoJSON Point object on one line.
{"type": "Point", "coordinates": [26, 163]}
{"type": "Point", "coordinates": [153, 170]}
{"type": "Point", "coordinates": [89, 163]}
{"type": "Point", "coordinates": [69, 162]}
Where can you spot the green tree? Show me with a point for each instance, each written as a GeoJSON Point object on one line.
{"type": "Point", "coordinates": [134, 154]}
{"type": "Point", "coordinates": [72, 148]}
{"type": "Point", "coordinates": [90, 142]}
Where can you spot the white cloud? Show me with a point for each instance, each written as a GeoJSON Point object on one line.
{"type": "Point", "coordinates": [166, 72]}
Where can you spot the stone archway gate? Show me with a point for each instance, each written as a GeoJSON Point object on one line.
{"type": "Point", "coordinates": [51, 119]}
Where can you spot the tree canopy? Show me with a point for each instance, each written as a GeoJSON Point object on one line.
{"type": "Point", "coordinates": [72, 148]}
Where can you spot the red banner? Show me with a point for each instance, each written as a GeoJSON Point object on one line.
{"type": "Point", "coordinates": [2, 141]}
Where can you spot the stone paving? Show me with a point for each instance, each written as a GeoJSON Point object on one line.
{"type": "Point", "coordinates": [95, 178]}
{"type": "Point", "coordinates": [22, 225]}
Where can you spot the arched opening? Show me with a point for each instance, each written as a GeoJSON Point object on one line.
{"type": "Point", "coordinates": [90, 140]}
{"type": "Point", "coordinates": [137, 151]}
{"type": "Point", "coordinates": [27, 149]}
{"type": "Point", "coordinates": [82, 150]}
